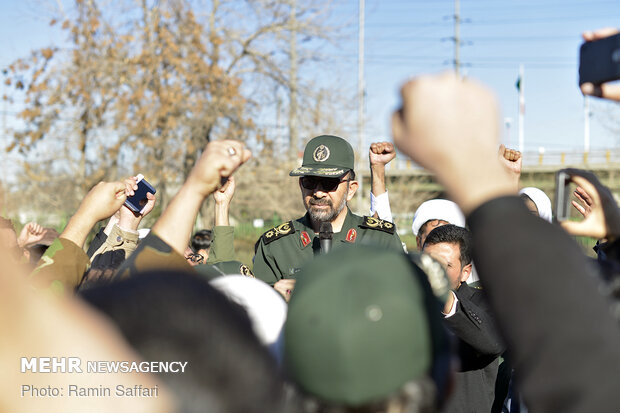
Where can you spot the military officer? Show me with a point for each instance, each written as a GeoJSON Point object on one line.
{"type": "Point", "coordinates": [327, 183]}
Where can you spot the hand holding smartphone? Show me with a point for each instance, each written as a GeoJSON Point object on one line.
{"type": "Point", "coordinates": [599, 60]}
{"type": "Point", "coordinates": [138, 201]}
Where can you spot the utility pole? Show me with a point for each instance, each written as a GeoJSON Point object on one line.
{"type": "Point", "coordinates": [292, 118]}
{"type": "Point", "coordinates": [586, 124]}
{"type": "Point", "coordinates": [457, 37]}
{"type": "Point", "coordinates": [360, 102]}
{"type": "Point", "coordinates": [521, 87]}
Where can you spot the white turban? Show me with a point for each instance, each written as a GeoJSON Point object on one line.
{"type": "Point", "coordinates": [542, 201]}
{"type": "Point", "coordinates": [437, 209]}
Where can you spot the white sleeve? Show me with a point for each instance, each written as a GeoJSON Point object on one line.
{"type": "Point", "coordinates": [381, 205]}
{"type": "Point", "coordinates": [453, 309]}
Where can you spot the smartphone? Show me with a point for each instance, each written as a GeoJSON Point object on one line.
{"type": "Point", "coordinates": [564, 188]}
{"type": "Point", "coordinates": [599, 60]}
{"type": "Point", "coordinates": [138, 201]}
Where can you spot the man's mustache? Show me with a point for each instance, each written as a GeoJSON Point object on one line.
{"type": "Point", "coordinates": [322, 201]}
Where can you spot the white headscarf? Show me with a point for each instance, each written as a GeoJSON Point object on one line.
{"type": "Point", "coordinates": [437, 209]}
{"type": "Point", "coordinates": [265, 307]}
{"type": "Point", "coordinates": [541, 200]}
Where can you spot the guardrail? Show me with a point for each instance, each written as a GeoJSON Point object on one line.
{"type": "Point", "coordinates": [537, 158]}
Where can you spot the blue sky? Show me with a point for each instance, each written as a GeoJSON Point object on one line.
{"type": "Point", "coordinates": [409, 37]}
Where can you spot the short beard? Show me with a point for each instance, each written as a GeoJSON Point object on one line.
{"type": "Point", "coordinates": [327, 215]}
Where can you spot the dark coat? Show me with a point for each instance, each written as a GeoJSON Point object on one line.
{"type": "Point", "coordinates": [480, 346]}
{"type": "Point", "coordinates": [564, 342]}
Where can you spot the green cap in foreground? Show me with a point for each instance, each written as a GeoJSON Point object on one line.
{"type": "Point", "coordinates": [359, 326]}
{"type": "Point", "coordinates": [327, 156]}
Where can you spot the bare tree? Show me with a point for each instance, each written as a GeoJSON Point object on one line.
{"type": "Point", "coordinates": [145, 89]}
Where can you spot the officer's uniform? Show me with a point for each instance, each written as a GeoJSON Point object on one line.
{"type": "Point", "coordinates": [284, 249]}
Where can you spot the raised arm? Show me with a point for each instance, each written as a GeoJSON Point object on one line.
{"type": "Point", "coordinates": [219, 160]}
{"type": "Point", "coordinates": [63, 264]}
{"type": "Point", "coordinates": [165, 245]}
{"type": "Point", "coordinates": [380, 154]}
{"type": "Point", "coordinates": [222, 246]}
{"type": "Point", "coordinates": [546, 302]}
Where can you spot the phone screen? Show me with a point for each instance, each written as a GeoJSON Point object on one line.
{"type": "Point", "coordinates": [564, 190]}
{"type": "Point", "coordinates": [138, 201]}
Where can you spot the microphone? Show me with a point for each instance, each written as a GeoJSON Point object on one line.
{"type": "Point", "coordinates": [325, 236]}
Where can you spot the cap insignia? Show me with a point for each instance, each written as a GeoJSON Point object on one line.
{"type": "Point", "coordinates": [321, 153]}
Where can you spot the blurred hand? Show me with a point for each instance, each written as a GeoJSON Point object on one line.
{"type": "Point", "coordinates": [225, 194]}
{"type": "Point", "coordinates": [455, 116]}
{"type": "Point", "coordinates": [603, 219]}
{"type": "Point", "coordinates": [606, 90]}
{"type": "Point", "coordinates": [450, 126]}
{"type": "Point", "coordinates": [103, 200]}
{"type": "Point", "coordinates": [381, 153]}
{"type": "Point", "coordinates": [219, 160]}
{"type": "Point", "coordinates": [285, 287]}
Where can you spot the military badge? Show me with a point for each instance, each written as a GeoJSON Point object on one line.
{"type": "Point", "coordinates": [305, 238]}
{"type": "Point", "coordinates": [245, 270]}
{"type": "Point", "coordinates": [278, 232]}
{"type": "Point", "coordinates": [321, 153]}
{"type": "Point", "coordinates": [351, 235]}
{"type": "Point", "coordinates": [378, 224]}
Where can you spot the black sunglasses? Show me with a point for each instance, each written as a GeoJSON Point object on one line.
{"type": "Point", "coordinates": [311, 183]}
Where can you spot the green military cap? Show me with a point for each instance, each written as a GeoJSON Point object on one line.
{"type": "Point", "coordinates": [361, 324]}
{"type": "Point", "coordinates": [326, 155]}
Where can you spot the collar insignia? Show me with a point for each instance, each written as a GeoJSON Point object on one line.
{"type": "Point", "coordinates": [351, 235]}
{"type": "Point", "coordinates": [305, 238]}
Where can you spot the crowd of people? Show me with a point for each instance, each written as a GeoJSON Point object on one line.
{"type": "Point", "coordinates": [497, 310]}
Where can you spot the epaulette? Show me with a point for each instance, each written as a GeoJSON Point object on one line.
{"type": "Point", "coordinates": [278, 232]}
{"type": "Point", "coordinates": [378, 224]}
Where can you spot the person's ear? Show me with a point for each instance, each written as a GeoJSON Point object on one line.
{"type": "Point", "coordinates": [465, 272]}
{"type": "Point", "coordinates": [353, 185]}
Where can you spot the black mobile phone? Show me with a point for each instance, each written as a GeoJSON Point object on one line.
{"type": "Point", "coordinates": [138, 201]}
{"type": "Point", "coordinates": [599, 60]}
{"type": "Point", "coordinates": [564, 187]}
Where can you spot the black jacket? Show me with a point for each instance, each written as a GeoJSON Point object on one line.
{"type": "Point", "coordinates": [480, 346]}
{"type": "Point", "coordinates": [564, 342]}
